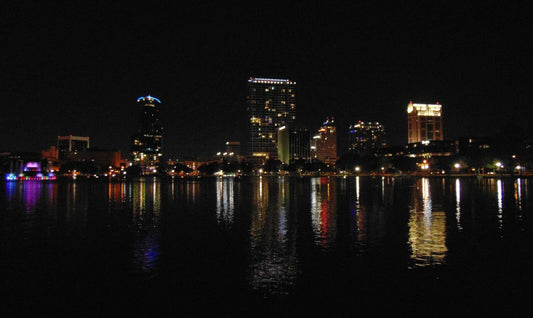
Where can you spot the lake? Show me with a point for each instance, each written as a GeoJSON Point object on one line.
{"type": "Point", "coordinates": [266, 247]}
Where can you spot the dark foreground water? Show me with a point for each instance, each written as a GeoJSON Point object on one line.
{"type": "Point", "coordinates": [267, 247]}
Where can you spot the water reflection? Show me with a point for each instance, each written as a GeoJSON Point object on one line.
{"type": "Point", "coordinates": [273, 261]}
{"type": "Point", "coordinates": [427, 228]}
{"type": "Point", "coordinates": [458, 203]}
{"type": "Point", "coordinates": [324, 210]}
{"type": "Point", "coordinates": [499, 188]}
{"type": "Point", "coordinates": [146, 206]}
{"type": "Point", "coordinates": [358, 216]}
{"type": "Point", "coordinates": [225, 200]}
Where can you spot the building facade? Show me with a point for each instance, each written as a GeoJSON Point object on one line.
{"type": "Point", "coordinates": [366, 137]}
{"type": "Point", "coordinates": [424, 122]}
{"type": "Point", "coordinates": [71, 145]}
{"type": "Point", "coordinates": [324, 146]}
{"type": "Point", "coordinates": [146, 144]}
{"type": "Point", "coordinates": [271, 104]}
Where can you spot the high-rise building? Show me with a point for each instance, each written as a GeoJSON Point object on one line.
{"type": "Point", "coordinates": [293, 144]}
{"type": "Point", "coordinates": [424, 122]}
{"type": "Point", "coordinates": [71, 145]}
{"type": "Point", "coordinates": [299, 144]}
{"type": "Point", "coordinates": [325, 143]}
{"type": "Point", "coordinates": [146, 144]}
{"type": "Point", "coordinates": [366, 137]}
{"type": "Point", "coordinates": [271, 104]}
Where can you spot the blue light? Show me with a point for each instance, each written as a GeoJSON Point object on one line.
{"type": "Point", "coordinates": [148, 97]}
{"type": "Point", "coordinates": [11, 177]}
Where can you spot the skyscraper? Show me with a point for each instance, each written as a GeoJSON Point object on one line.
{"type": "Point", "coordinates": [424, 122]}
{"type": "Point", "coordinates": [271, 104]}
{"type": "Point", "coordinates": [366, 137]}
{"type": "Point", "coordinates": [146, 144]}
{"type": "Point", "coordinates": [325, 143]}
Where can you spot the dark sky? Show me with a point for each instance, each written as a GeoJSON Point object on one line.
{"type": "Point", "coordinates": [78, 67]}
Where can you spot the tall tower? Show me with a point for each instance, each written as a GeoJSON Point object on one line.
{"type": "Point", "coordinates": [146, 145]}
{"type": "Point", "coordinates": [424, 122]}
{"type": "Point", "coordinates": [325, 143]}
{"type": "Point", "coordinates": [271, 104]}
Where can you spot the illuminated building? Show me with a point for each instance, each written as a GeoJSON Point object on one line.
{"type": "Point", "coordinates": [146, 145]}
{"type": "Point", "coordinates": [283, 144]}
{"type": "Point", "coordinates": [424, 122]}
{"type": "Point", "coordinates": [299, 144]}
{"type": "Point", "coordinates": [71, 145]}
{"type": "Point", "coordinates": [293, 144]}
{"type": "Point", "coordinates": [366, 137]}
{"type": "Point", "coordinates": [271, 104]}
{"type": "Point", "coordinates": [233, 147]}
{"type": "Point", "coordinates": [325, 143]}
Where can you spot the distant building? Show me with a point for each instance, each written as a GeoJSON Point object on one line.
{"type": "Point", "coordinates": [299, 144]}
{"type": "Point", "coordinates": [433, 148]}
{"type": "Point", "coordinates": [271, 104]}
{"type": "Point", "coordinates": [146, 144]}
{"type": "Point", "coordinates": [293, 144]}
{"type": "Point", "coordinates": [233, 147]}
{"type": "Point", "coordinates": [366, 137]}
{"type": "Point", "coordinates": [71, 145]}
{"type": "Point", "coordinates": [424, 122]}
{"type": "Point", "coordinates": [101, 158]}
{"type": "Point", "coordinates": [283, 144]}
{"type": "Point", "coordinates": [324, 146]}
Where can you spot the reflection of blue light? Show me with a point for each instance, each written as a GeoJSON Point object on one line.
{"type": "Point", "coordinates": [149, 97]}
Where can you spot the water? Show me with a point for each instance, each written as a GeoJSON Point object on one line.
{"type": "Point", "coordinates": [269, 246]}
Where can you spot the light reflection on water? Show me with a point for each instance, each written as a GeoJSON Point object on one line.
{"type": "Point", "coordinates": [323, 211]}
{"type": "Point", "coordinates": [273, 260]}
{"type": "Point", "coordinates": [146, 199]}
{"type": "Point", "coordinates": [284, 219]}
{"type": "Point", "coordinates": [427, 228]}
{"type": "Point", "coordinates": [225, 198]}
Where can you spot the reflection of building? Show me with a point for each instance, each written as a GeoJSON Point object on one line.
{"type": "Point", "coordinates": [67, 145]}
{"type": "Point", "coordinates": [424, 122]}
{"type": "Point", "coordinates": [427, 228]}
{"type": "Point", "coordinates": [325, 143]}
{"type": "Point", "coordinates": [146, 144]}
{"type": "Point", "coordinates": [271, 104]}
{"type": "Point", "coordinates": [366, 137]}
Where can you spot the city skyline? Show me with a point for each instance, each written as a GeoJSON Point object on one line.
{"type": "Point", "coordinates": [76, 70]}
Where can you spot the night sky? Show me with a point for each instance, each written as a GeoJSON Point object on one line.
{"type": "Point", "coordinates": [78, 68]}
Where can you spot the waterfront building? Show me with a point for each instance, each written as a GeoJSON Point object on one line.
{"type": "Point", "coordinates": [233, 147]}
{"type": "Point", "coordinates": [293, 144]}
{"type": "Point", "coordinates": [299, 144]}
{"type": "Point", "coordinates": [366, 137]}
{"type": "Point", "coordinates": [271, 104]}
{"type": "Point", "coordinates": [324, 147]}
{"type": "Point", "coordinates": [424, 122]}
{"type": "Point", "coordinates": [146, 143]}
{"type": "Point", "coordinates": [71, 145]}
